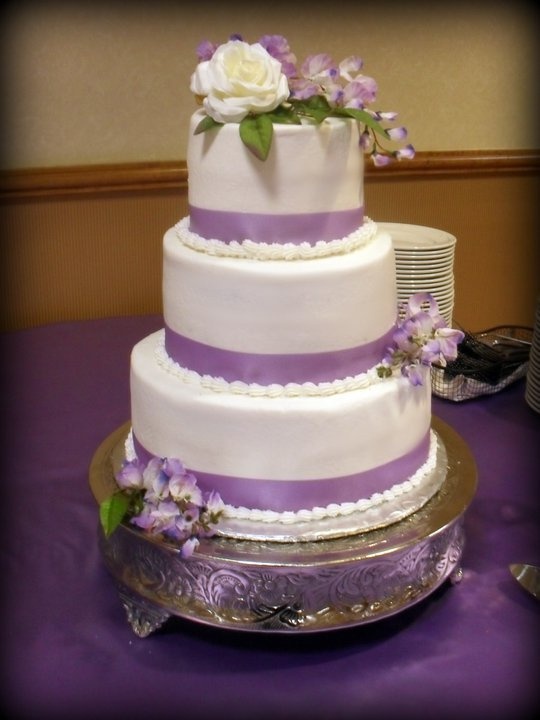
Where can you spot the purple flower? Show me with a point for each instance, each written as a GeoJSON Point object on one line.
{"type": "Point", "coordinates": [191, 514]}
{"type": "Point", "coordinates": [145, 519]}
{"type": "Point", "coordinates": [350, 67]}
{"type": "Point", "coordinates": [167, 519]}
{"type": "Point", "coordinates": [447, 341]}
{"type": "Point", "coordinates": [360, 92]}
{"type": "Point", "coordinates": [169, 502]}
{"type": "Point", "coordinates": [205, 50]}
{"type": "Point", "coordinates": [189, 546]}
{"type": "Point", "coordinates": [130, 476]}
{"type": "Point", "coordinates": [421, 340]}
{"type": "Point", "coordinates": [413, 372]}
{"type": "Point", "coordinates": [184, 488]}
{"type": "Point", "coordinates": [366, 140]}
{"type": "Point", "coordinates": [302, 88]}
{"type": "Point", "coordinates": [405, 340]}
{"type": "Point", "coordinates": [353, 95]}
{"type": "Point", "coordinates": [335, 94]}
{"type": "Point", "coordinates": [380, 159]}
{"type": "Point", "coordinates": [214, 503]}
{"type": "Point", "coordinates": [212, 512]}
{"type": "Point", "coordinates": [407, 152]}
{"type": "Point", "coordinates": [318, 68]}
{"type": "Point", "coordinates": [173, 466]}
{"type": "Point", "coordinates": [398, 133]}
{"type": "Point", "coordinates": [387, 116]}
{"type": "Point", "coordinates": [278, 47]}
{"type": "Point", "coordinates": [423, 301]}
{"type": "Point", "coordinates": [156, 482]}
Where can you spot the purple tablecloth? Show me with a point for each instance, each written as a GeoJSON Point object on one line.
{"type": "Point", "coordinates": [468, 651]}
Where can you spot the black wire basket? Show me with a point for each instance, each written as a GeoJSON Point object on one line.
{"type": "Point", "coordinates": [486, 363]}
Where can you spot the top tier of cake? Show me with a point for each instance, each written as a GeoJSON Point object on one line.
{"type": "Point", "coordinates": [309, 189]}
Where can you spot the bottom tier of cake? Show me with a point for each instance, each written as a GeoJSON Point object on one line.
{"type": "Point", "coordinates": [285, 454]}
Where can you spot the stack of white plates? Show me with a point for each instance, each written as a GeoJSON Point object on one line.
{"type": "Point", "coordinates": [532, 387]}
{"type": "Point", "coordinates": [424, 263]}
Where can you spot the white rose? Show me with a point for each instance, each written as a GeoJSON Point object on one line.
{"type": "Point", "coordinates": [239, 79]}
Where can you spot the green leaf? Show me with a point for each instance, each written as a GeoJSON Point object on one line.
{"type": "Point", "coordinates": [315, 107]}
{"type": "Point", "coordinates": [256, 133]}
{"type": "Point", "coordinates": [317, 115]}
{"type": "Point", "coordinates": [284, 115]}
{"type": "Point", "coordinates": [112, 511]}
{"type": "Point", "coordinates": [316, 102]}
{"type": "Point", "coordinates": [363, 117]}
{"type": "Point", "coordinates": [207, 123]}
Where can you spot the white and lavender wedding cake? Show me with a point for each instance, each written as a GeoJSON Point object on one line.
{"type": "Point", "coordinates": [282, 393]}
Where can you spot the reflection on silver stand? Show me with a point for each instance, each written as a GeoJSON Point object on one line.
{"type": "Point", "coordinates": [284, 587]}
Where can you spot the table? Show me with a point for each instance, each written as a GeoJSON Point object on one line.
{"type": "Point", "coordinates": [469, 650]}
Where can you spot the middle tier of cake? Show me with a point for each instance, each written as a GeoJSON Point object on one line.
{"type": "Point", "coordinates": [279, 313]}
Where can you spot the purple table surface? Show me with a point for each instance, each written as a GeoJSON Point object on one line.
{"type": "Point", "coordinates": [467, 651]}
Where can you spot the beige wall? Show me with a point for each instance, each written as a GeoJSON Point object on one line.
{"type": "Point", "coordinates": [92, 82]}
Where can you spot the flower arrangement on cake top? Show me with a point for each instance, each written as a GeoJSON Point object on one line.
{"type": "Point", "coordinates": [422, 339]}
{"type": "Point", "coordinates": [164, 500]}
{"type": "Point", "coordinates": [257, 85]}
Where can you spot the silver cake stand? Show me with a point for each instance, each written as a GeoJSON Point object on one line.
{"type": "Point", "coordinates": [284, 587]}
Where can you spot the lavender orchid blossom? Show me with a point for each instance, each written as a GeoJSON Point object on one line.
{"type": "Point", "coordinates": [278, 47]}
{"type": "Point", "coordinates": [130, 476]}
{"type": "Point", "coordinates": [205, 50]}
{"type": "Point", "coordinates": [163, 499]}
{"type": "Point", "coordinates": [421, 340]}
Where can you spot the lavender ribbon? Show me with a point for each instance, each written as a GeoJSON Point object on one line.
{"type": "Point", "coordinates": [294, 495]}
{"type": "Point", "coordinates": [260, 227]}
{"type": "Point", "coordinates": [266, 369]}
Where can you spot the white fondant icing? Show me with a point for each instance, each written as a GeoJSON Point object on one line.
{"type": "Point", "coordinates": [310, 168]}
{"type": "Point", "coordinates": [325, 304]}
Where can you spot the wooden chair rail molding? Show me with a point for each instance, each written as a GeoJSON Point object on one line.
{"type": "Point", "coordinates": [148, 176]}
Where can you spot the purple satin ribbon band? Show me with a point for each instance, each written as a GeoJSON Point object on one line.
{"type": "Point", "coordinates": [294, 495]}
{"type": "Point", "coordinates": [266, 369]}
{"type": "Point", "coordinates": [259, 227]}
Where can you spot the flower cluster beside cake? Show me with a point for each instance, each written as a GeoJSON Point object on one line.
{"type": "Point", "coordinates": [281, 394]}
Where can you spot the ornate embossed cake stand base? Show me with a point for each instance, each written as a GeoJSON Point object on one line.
{"type": "Point", "coordinates": [284, 587]}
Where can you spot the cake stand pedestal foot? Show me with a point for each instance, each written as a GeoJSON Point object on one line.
{"type": "Point", "coordinates": [143, 616]}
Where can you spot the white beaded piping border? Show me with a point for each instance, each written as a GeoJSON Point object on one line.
{"type": "Point", "coordinates": [333, 510]}
{"type": "Point", "coordinates": [248, 249]}
{"type": "Point", "coordinates": [238, 387]}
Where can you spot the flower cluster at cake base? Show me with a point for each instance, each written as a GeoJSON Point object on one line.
{"type": "Point", "coordinates": [163, 499]}
{"type": "Point", "coordinates": [422, 339]}
{"type": "Point", "coordinates": [257, 85]}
